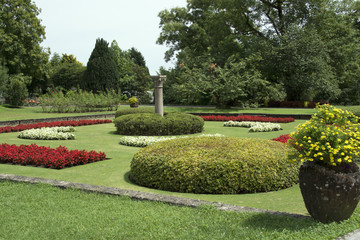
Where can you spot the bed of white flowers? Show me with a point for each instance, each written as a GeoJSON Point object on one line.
{"type": "Point", "coordinates": [255, 126]}
{"type": "Point", "coordinates": [143, 141]}
{"type": "Point", "coordinates": [49, 133]}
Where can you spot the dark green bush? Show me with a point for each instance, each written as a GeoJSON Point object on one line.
{"type": "Point", "coordinates": [16, 91]}
{"type": "Point", "coordinates": [152, 124]}
{"type": "Point", "coordinates": [125, 111]}
{"type": "Point", "coordinates": [215, 165]}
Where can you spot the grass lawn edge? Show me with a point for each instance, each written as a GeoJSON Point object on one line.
{"type": "Point", "coordinates": [138, 195]}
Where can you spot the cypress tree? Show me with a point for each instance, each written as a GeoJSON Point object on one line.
{"type": "Point", "coordinates": [101, 73]}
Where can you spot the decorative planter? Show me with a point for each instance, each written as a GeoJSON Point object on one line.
{"type": "Point", "coordinates": [329, 195]}
{"type": "Point", "coordinates": [134, 105]}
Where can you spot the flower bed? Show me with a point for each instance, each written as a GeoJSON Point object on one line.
{"type": "Point", "coordinates": [255, 126]}
{"type": "Point", "coordinates": [143, 141]}
{"type": "Point", "coordinates": [54, 133]}
{"type": "Point", "coordinates": [282, 138]}
{"type": "Point", "coordinates": [22, 127]}
{"type": "Point", "coordinates": [247, 118]}
{"type": "Point", "coordinates": [57, 158]}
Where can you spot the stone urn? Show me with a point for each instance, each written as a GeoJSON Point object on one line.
{"type": "Point", "coordinates": [331, 194]}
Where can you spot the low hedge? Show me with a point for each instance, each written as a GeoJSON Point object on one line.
{"type": "Point", "coordinates": [152, 124]}
{"type": "Point", "coordinates": [126, 111]}
{"type": "Point", "coordinates": [215, 165]}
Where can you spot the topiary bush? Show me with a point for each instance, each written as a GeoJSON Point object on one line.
{"type": "Point", "coordinates": [215, 165]}
{"type": "Point", "coordinates": [152, 124]}
{"type": "Point", "coordinates": [125, 111]}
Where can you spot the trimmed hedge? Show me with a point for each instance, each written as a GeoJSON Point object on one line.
{"type": "Point", "coordinates": [215, 165]}
{"type": "Point", "coordinates": [152, 124]}
{"type": "Point", "coordinates": [126, 111]}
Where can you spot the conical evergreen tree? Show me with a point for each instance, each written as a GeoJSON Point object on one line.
{"type": "Point", "coordinates": [101, 73]}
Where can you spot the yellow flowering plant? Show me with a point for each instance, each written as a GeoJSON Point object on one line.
{"type": "Point", "coordinates": [133, 100]}
{"type": "Point", "coordinates": [330, 137]}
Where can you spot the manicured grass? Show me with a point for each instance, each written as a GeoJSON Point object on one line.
{"type": "Point", "coordinates": [7, 114]}
{"type": "Point", "coordinates": [241, 110]}
{"type": "Point", "coordinates": [114, 172]}
{"type": "Point", "coordinates": [44, 212]}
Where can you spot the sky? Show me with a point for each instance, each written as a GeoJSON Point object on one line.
{"type": "Point", "coordinates": [72, 26]}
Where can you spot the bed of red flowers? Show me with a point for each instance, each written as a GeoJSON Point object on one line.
{"type": "Point", "coordinates": [47, 157]}
{"type": "Point", "coordinates": [247, 118]}
{"type": "Point", "coordinates": [283, 138]}
{"type": "Point", "coordinates": [22, 127]}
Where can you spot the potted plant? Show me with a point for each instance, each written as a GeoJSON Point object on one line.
{"type": "Point", "coordinates": [329, 178]}
{"type": "Point", "coordinates": [133, 102]}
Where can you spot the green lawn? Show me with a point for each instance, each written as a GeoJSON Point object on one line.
{"type": "Point", "coordinates": [114, 171]}
{"type": "Point", "coordinates": [43, 212]}
{"type": "Point", "coordinates": [7, 114]}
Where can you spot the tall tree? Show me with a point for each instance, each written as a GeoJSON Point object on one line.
{"type": "Point", "coordinates": [312, 44]}
{"type": "Point", "coordinates": [101, 73]}
{"type": "Point", "coordinates": [134, 76]}
{"type": "Point", "coordinates": [21, 33]}
{"type": "Point", "coordinates": [137, 57]}
{"type": "Point", "coordinates": [4, 78]}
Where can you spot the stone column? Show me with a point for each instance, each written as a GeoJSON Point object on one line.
{"type": "Point", "coordinates": [159, 102]}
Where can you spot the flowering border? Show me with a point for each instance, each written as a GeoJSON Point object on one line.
{"type": "Point", "coordinates": [46, 133]}
{"type": "Point", "coordinates": [282, 138]}
{"type": "Point", "coordinates": [255, 126]}
{"type": "Point", "coordinates": [40, 156]}
{"type": "Point", "coordinates": [247, 118]}
{"type": "Point", "coordinates": [22, 127]}
{"type": "Point", "coordinates": [143, 141]}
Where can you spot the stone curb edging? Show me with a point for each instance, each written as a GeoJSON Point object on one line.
{"type": "Point", "coordinates": [355, 235]}
{"type": "Point", "coordinates": [136, 195]}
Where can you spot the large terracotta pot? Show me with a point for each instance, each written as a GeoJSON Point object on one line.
{"type": "Point", "coordinates": [329, 195]}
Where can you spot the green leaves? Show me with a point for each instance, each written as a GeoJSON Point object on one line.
{"type": "Point", "coordinates": [101, 72]}
{"type": "Point", "coordinates": [21, 33]}
{"type": "Point", "coordinates": [216, 165]}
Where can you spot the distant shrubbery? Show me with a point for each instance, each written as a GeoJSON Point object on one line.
{"type": "Point", "coordinates": [293, 104]}
{"type": "Point", "coordinates": [80, 101]}
{"type": "Point", "coordinates": [125, 111]}
{"type": "Point", "coordinates": [153, 124]}
{"type": "Point", "coordinates": [215, 165]}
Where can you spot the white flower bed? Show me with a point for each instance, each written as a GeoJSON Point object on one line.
{"type": "Point", "coordinates": [255, 126]}
{"type": "Point", "coordinates": [46, 133]}
{"type": "Point", "coordinates": [143, 141]}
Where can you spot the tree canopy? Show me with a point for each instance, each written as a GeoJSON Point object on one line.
{"type": "Point", "coordinates": [309, 48]}
{"type": "Point", "coordinates": [101, 73]}
{"type": "Point", "coordinates": [21, 33]}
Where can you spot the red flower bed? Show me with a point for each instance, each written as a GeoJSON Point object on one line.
{"type": "Point", "coordinates": [247, 118]}
{"type": "Point", "coordinates": [57, 158]}
{"type": "Point", "coordinates": [283, 138]}
{"type": "Point", "coordinates": [74, 123]}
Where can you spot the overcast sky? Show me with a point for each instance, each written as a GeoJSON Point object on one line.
{"type": "Point", "coordinates": [72, 26]}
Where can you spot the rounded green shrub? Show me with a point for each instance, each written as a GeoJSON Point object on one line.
{"type": "Point", "coordinates": [152, 124]}
{"type": "Point", "coordinates": [126, 111]}
{"type": "Point", "coordinates": [215, 165]}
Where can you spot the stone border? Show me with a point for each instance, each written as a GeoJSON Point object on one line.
{"type": "Point", "coordinates": [136, 195]}
{"type": "Point", "coordinates": [177, 201]}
